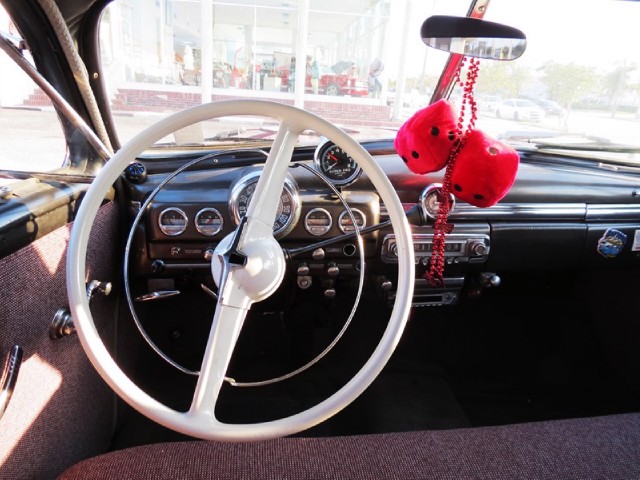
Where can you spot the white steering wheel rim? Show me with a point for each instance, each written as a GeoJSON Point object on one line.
{"type": "Point", "coordinates": [206, 427]}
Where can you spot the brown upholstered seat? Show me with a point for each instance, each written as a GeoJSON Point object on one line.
{"type": "Point", "coordinates": [587, 448]}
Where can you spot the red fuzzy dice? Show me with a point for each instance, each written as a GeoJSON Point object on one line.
{"type": "Point", "coordinates": [484, 170]}
{"type": "Point", "coordinates": [425, 140]}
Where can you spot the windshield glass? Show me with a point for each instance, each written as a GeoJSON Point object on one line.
{"type": "Point", "coordinates": [363, 66]}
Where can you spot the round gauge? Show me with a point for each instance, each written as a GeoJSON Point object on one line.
{"type": "Point", "coordinates": [346, 224]}
{"type": "Point", "coordinates": [318, 221]}
{"type": "Point", "coordinates": [288, 210]}
{"type": "Point", "coordinates": [336, 164]}
{"type": "Point", "coordinates": [172, 221]}
{"type": "Point", "coordinates": [430, 200]}
{"type": "Point", "coordinates": [209, 221]}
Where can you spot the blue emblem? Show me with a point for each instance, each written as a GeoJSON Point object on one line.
{"type": "Point", "coordinates": [611, 243]}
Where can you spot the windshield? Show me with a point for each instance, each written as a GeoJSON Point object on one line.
{"type": "Point", "coordinates": [363, 66]}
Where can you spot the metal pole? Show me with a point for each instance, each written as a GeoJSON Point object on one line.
{"type": "Point", "coordinates": [206, 47]}
{"type": "Point", "coordinates": [301, 53]}
{"type": "Point", "coordinates": [404, 53]}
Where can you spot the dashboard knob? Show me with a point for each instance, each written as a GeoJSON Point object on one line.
{"type": "Point", "coordinates": [478, 248]}
{"type": "Point", "coordinates": [332, 269]}
{"type": "Point", "coordinates": [318, 254]}
{"type": "Point", "coordinates": [330, 293]}
{"type": "Point", "coordinates": [304, 282]}
{"type": "Point", "coordinates": [490, 279]}
{"type": "Point", "coordinates": [208, 254]}
{"type": "Point", "coordinates": [385, 284]}
{"type": "Point", "coordinates": [136, 173]}
{"type": "Point", "coordinates": [303, 269]}
{"type": "Point", "coordinates": [157, 266]}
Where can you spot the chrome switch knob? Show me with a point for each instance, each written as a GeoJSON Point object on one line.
{"type": "Point", "coordinates": [478, 248]}
{"type": "Point", "coordinates": [332, 269]}
{"type": "Point", "coordinates": [318, 254]}
{"type": "Point", "coordinates": [330, 293]}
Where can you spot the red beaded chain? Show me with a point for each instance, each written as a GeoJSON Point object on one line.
{"type": "Point", "coordinates": [436, 268]}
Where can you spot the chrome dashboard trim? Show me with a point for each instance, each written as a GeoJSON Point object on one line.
{"type": "Point", "coordinates": [513, 211]}
{"type": "Point", "coordinates": [613, 212]}
{"type": "Point", "coordinates": [528, 211]}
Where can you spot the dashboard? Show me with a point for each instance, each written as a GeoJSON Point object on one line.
{"type": "Point", "coordinates": [554, 218]}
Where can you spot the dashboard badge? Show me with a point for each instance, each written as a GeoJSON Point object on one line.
{"type": "Point", "coordinates": [612, 243]}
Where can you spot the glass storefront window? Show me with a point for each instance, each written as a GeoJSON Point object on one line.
{"type": "Point", "coordinates": [156, 54]}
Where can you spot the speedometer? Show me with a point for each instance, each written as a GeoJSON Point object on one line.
{"type": "Point", "coordinates": [336, 164]}
{"type": "Point", "coordinates": [288, 210]}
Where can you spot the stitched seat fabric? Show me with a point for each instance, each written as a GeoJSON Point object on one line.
{"type": "Point", "coordinates": [587, 448]}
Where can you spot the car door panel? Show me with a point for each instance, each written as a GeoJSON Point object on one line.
{"type": "Point", "coordinates": [60, 411]}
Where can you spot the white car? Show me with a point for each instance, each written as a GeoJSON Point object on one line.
{"type": "Point", "coordinates": [489, 103]}
{"type": "Point", "coordinates": [520, 109]}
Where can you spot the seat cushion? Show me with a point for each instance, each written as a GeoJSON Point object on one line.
{"type": "Point", "coordinates": [587, 448]}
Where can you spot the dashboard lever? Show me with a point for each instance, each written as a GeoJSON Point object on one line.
{"type": "Point", "coordinates": [415, 216]}
{"type": "Point", "coordinates": [158, 295]}
{"type": "Point", "coordinates": [290, 253]}
{"type": "Point", "coordinates": [10, 377]}
{"type": "Point", "coordinates": [96, 285]}
{"type": "Point", "coordinates": [208, 291]}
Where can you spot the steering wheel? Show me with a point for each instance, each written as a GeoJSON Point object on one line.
{"type": "Point", "coordinates": [248, 265]}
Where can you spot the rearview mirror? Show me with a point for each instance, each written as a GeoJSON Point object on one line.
{"type": "Point", "coordinates": [473, 37]}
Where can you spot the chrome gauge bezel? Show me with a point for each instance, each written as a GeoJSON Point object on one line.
{"type": "Point", "coordinates": [430, 195]}
{"type": "Point", "coordinates": [204, 229]}
{"type": "Point", "coordinates": [318, 160]}
{"type": "Point", "coordinates": [168, 230]}
{"type": "Point", "coordinates": [314, 229]}
{"type": "Point", "coordinates": [290, 189]}
{"type": "Point", "coordinates": [355, 212]}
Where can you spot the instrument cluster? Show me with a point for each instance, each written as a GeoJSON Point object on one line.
{"type": "Point", "coordinates": [174, 221]}
{"type": "Point", "coordinates": [194, 220]}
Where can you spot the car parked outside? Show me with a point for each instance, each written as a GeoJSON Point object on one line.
{"type": "Point", "coordinates": [489, 103]}
{"type": "Point", "coordinates": [329, 82]}
{"type": "Point", "coordinates": [520, 109]}
{"type": "Point", "coordinates": [551, 108]}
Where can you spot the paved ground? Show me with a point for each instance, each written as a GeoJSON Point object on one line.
{"type": "Point", "coordinates": [30, 140]}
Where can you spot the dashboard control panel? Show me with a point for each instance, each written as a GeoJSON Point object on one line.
{"type": "Point", "coordinates": [459, 247]}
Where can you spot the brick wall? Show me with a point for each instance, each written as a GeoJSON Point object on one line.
{"type": "Point", "coordinates": [338, 110]}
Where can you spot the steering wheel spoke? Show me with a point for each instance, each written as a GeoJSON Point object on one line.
{"type": "Point", "coordinates": [264, 201]}
{"type": "Point", "coordinates": [227, 324]}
